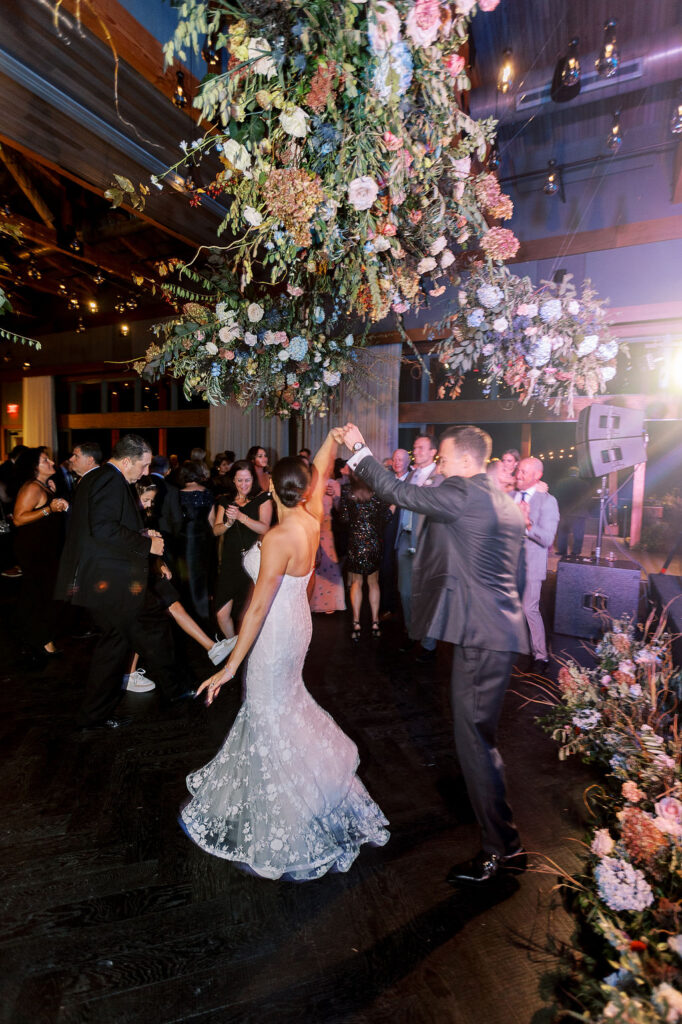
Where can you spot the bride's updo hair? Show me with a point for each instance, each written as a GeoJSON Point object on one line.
{"type": "Point", "coordinates": [291, 479]}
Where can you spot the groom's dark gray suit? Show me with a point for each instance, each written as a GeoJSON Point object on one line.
{"type": "Point", "coordinates": [464, 591]}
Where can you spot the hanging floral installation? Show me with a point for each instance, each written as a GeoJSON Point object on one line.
{"type": "Point", "coordinates": [622, 716]}
{"type": "Point", "coordinates": [6, 307]}
{"type": "Point", "coordinates": [547, 343]}
{"type": "Point", "coordinates": [348, 170]}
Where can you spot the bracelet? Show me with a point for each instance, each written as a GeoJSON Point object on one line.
{"type": "Point", "coordinates": [47, 510]}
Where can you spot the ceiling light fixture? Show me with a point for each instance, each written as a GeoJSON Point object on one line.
{"type": "Point", "coordinates": [98, 276]}
{"type": "Point", "coordinates": [124, 330]}
{"type": "Point", "coordinates": [614, 140]}
{"type": "Point", "coordinates": [570, 72]}
{"type": "Point", "coordinates": [554, 182]}
{"type": "Point", "coordinates": [120, 304]}
{"type": "Point", "coordinates": [505, 77]}
{"type": "Point", "coordinates": [180, 96]}
{"type": "Point", "coordinates": [212, 57]}
{"type": "Point", "coordinates": [80, 326]}
{"type": "Point", "coordinates": [609, 58]}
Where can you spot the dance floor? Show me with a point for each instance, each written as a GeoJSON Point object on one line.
{"type": "Point", "coordinates": [112, 916]}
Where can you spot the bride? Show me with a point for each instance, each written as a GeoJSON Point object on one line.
{"type": "Point", "coordinates": [281, 797]}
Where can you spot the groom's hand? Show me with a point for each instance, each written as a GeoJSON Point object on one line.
{"type": "Point", "coordinates": [337, 434]}
{"type": "Point", "coordinates": [351, 436]}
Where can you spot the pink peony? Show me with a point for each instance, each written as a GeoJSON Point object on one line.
{"type": "Point", "coordinates": [384, 27]}
{"type": "Point", "coordinates": [392, 142]}
{"type": "Point", "coordinates": [423, 22]}
{"type": "Point", "coordinates": [280, 338]}
{"type": "Point", "coordinates": [454, 64]}
{"type": "Point", "coordinates": [388, 229]}
{"type": "Point", "coordinates": [447, 258]}
{"type": "Point", "coordinates": [437, 247]}
{"type": "Point", "coordinates": [670, 809]}
{"type": "Point", "coordinates": [437, 291]}
{"type": "Point", "coordinates": [362, 192]}
{"type": "Point", "coordinates": [632, 793]}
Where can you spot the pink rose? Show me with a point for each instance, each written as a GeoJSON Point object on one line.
{"type": "Point", "coordinates": [384, 27]}
{"type": "Point", "coordinates": [602, 844]}
{"type": "Point", "coordinates": [454, 64]}
{"type": "Point", "coordinates": [400, 307]}
{"type": "Point", "coordinates": [294, 290]}
{"type": "Point", "coordinates": [295, 405]}
{"type": "Point", "coordinates": [488, 5]}
{"type": "Point", "coordinates": [632, 792]}
{"type": "Point", "coordinates": [423, 22]}
{"type": "Point", "coordinates": [362, 192]}
{"type": "Point", "coordinates": [226, 353]}
{"type": "Point", "coordinates": [388, 229]}
{"type": "Point", "coordinates": [280, 338]}
{"type": "Point", "coordinates": [392, 142]}
{"type": "Point", "coordinates": [670, 809]}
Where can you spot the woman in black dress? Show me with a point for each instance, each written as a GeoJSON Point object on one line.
{"type": "Point", "coordinates": [366, 516]}
{"type": "Point", "coordinates": [38, 541]}
{"type": "Point", "coordinates": [240, 521]}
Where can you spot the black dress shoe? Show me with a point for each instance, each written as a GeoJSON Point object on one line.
{"type": "Point", "coordinates": [483, 868]}
{"type": "Point", "coordinates": [540, 667]}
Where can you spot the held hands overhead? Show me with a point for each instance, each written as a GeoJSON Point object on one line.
{"type": "Point", "coordinates": [348, 435]}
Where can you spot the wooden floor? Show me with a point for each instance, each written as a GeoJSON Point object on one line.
{"type": "Point", "coordinates": [111, 915]}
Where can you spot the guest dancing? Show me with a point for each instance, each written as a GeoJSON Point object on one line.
{"type": "Point", "coordinates": [282, 798]}
{"type": "Point", "coordinates": [328, 593]}
{"type": "Point", "coordinates": [240, 521]}
{"type": "Point", "coordinates": [258, 457]}
{"type": "Point", "coordinates": [366, 516]}
{"type": "Point", "coordinates": [38, 541]}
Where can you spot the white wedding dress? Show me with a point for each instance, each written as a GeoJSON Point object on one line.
{"type": "Point", "coordinates": [281, 797]}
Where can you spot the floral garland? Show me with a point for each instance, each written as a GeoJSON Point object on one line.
{"type": "Point", "coordinates": [548, 343]}
{"type": "Point", "coordinates": [6, 307]}
{"type": "Point", "coordinates": [346, 167]}
{"type": "Point", "coordinates": [622, 716]}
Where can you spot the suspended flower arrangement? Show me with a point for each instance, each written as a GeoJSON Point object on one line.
{"type": "Point", "coordinates": [547, 343]}
{"type": "Point", "coordinates": [6, 307]}
{"type": "Point", "coordinates": [346, 167]}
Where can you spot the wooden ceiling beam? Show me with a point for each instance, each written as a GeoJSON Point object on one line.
{"type": "Point", "coordinates": [27, 187]}
{"type": "Point", "coordinates": [620, 236]}
{"type": "Point", "coordinates": [509, 410]}
{"type": "Point", "coordinates": [123, 33]}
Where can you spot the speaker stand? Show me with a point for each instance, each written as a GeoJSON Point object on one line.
{"type": "Point", "coordinates": [603, 501]}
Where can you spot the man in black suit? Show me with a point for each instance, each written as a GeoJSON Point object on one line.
{"type": "Point", "coordinates": [104, 567]}
{"type": "Point", "coordinates": [166, 514]}
{"type": "Point", "coordinates": [464, 590]}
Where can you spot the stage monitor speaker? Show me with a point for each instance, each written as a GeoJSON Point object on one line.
{"type": "Point", "coordinates": [588, 590]}
{"type": "Point", "coordinates": [608, 438]}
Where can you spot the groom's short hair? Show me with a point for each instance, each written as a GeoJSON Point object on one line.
{"type": "Point", "coordinates": [470, 440]}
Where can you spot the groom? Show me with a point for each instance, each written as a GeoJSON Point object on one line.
{"type": "Point", "coordinates": [464, 591]}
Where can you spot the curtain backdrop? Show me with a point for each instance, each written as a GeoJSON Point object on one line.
{"type": "Point", "coordinates": [39, 415]}
{"type": "Point", "coordinates": [372, 404]}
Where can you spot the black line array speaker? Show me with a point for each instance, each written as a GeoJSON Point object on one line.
{"type": "Point", "coordinates": [588, 589]}
{"type": "Point", "coordinates": [609, 438]}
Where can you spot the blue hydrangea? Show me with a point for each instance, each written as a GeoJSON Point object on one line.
{"type": "Point", "coordinates": [393, 73]}
{"type": "Point", "coordinates": [550, 310]}
{"type": "Point", "coordinates": [621, 886]}
{"type": "Point", "coordinates": [489, 295]}
{"type": "Point", "coordinates": [318, 315]}
{"type": "Point", "coordinates": [215, 369]}
{"type": "Point", "coordinates": [539, 353]}
{"type": "Point", "coordinates": [476, 317]}
{"type": "Point", "coordinates": [298, 348]}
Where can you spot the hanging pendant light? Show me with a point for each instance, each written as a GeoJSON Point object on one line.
{"type": "Point", "coordinates": [212, 57]}
{"type": "Point", "coordinates": [553, 181]}
{"type": "Point", "coordinates": [80, 326]}
{"type": "Point", "coordinates": [505, 77]}
{"type": "Point", "coordinates": [98, 276]}
{"type": "Point", "coordinates": [120, 304]}
{"type": "Point", "coordinates": [614, 140]}
{"type": "Point", "coordinates": [494, 157]}
{"type": "Point", "coordinates": [180, 96]}
{"type": "Point", "coordinates": [609, 58]}
{"type": "Point", "coordinates": [570, 72]}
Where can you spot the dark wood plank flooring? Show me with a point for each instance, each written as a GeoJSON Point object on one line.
{"type": "Point", "coordinates": [111, 915]}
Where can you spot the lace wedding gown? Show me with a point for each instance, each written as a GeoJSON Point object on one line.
{"type": "Point", "coordinates": [281, 797]}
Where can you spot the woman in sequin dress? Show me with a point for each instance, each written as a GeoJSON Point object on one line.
{"type": "Point", "coordinates": [366, 516]}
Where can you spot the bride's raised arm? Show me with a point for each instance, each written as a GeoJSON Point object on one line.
{"type": "Point", "coordinates": [321, 470]}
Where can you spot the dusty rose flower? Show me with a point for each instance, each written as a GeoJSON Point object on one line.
{"type": "Point", "coordinates": [415, 216]}
{"type": "Point", "coordinates": [392, 142]}
{"type": "Point", "coordinates": [454, 64]}
{"type": "Point", "coordinates": [642, 837]}
{"type": "Point", "coordinates": [500, 244]}
{"type": "Point", "coordinates": [602, 843]}
{"type": "Point", "coordinates": [437, 291]}
{"type": "Point", "coordinates": [426, 264]}
{"type": "Point", "coordinates": [400, 307]}
{"type": "Point", "coordinates": [388, 229]}
{"type": "Point", "coordinates": [362, 192]}
{"type": "Point", "coordinates": [423, 22]}
{"type": "Point", "coordinates": [447, 258]}
{"type": "Point", "coordinates": [669, 810]}
{"type": "Point", "coordinates": [384, 27]}
{"type": "Point", "coordinates": [280, 338]}
{"type": "Point", "coordinates": [226, 353]}
{"type": "Point", "coordinates": [632, 792]}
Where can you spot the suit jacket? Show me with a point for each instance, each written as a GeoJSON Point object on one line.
{"type": "Point", "coordinates": [464, 575]}
{"type": "Point", "coordinates": [166, 511]}
{"type": "Point", "coordinates": [544, 517]}
{"type": "Point", "coordinates": [434, 479]}
{"type": "Point", "coordinates": [105, 562]}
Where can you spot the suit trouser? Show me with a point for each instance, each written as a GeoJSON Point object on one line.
{"type": "Point", "coordinates": [148, 632]}
{"type": "Point", "coordinates": [530, 602]}
{"type": "Point", "coordinates": [405, 564]}
{"type": "Point", "coordinates": [478, 685]}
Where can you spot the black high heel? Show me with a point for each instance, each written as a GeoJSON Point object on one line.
{"type": "Point", "coordinates": [376, 630]}
{"type": "Point", "coordinates": [357, 630]}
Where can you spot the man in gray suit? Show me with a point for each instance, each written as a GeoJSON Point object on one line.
{"type": "Point", "coordinates": [464, 592]}
{"type": "Point", "coordinates": [541, 514]}
{"type": "Point", "coordinates": [410, 526]}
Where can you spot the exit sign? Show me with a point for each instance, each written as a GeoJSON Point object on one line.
{"type": "Point", "coordinates": [12, 408]}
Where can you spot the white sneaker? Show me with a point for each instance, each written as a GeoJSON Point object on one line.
{"type": "Point", "coordinates": [221, 649]}
{"type": "Point", "coordinates": [137, 682]}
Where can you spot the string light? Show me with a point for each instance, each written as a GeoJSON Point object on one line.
{"type": "Point", "coordinates": [92, 306]}
{"type": "Point", "coordinates": [80, 326]}
{"type": "Point", "coordinates": [120, 304]}
{"type": "Point", "coordinates": [609, 58]}
{"type": "Point", "coordinates": [74, 302]}
{"type": "Point", "coordinates": [33, 271]}
{"type": "Point", "coordinates": [553, 183]}
{"type": "Point", "coordinates": [614, 140]}
{"type": "Point", "coordinates": [62, 288]}
{"type": "Point", "coordinates": [570, 72]}
{"type": "Point", "coordinates": [180, 96]}
{"type": "Point", "coordinates": [98, 276]}
{"type": "Point", "coordinates": [505, 76]}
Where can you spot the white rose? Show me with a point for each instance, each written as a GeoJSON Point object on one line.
{"type": "Point", "coordinates": [238, 155]}
{"type": "Point", "coordinates": [381, 244]}
{"type": "Point", "coordinates": [260, 54]}
{"type": "Point", "coordinates": [250, 339]}
{"type": "Point", "coordinates": [255, 312]}
{"type": "Point", "coordinates": [283, 355]}
{"type": "Point", "coordinates": [573, 308]}
{"type": "Point", "coordinates": [293, 120]}
{"type": "Point", "coordinates": [362, 192]}
{"type": "Point", "coordinates": [501, 324]}
{"type": "Point", "coordinates": [211, 348]}
{"type": "Point", "coordinates": [252, 217]}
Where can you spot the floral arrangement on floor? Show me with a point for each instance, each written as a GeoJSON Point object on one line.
{"type": "Point", "coordinates": [347, 167]}
{"type": "Point", "coordinates": [622, 715]}
{"type": "Point", "coordinates": [548, 343]}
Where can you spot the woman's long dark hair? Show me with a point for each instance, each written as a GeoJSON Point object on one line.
{"type": "Point", "coordinates": [360, 490]}
{"type": "Point", "coordinates": [239, 465]}
{"type": "Point", "coordinates": [291, 479]}
{"type": "Point", "coordinates": [27, 464]}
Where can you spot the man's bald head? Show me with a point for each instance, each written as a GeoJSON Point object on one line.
{"type": "Point", "coordinates": [528, 473]}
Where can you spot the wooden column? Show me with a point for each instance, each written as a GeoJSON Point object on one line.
{"type": "Point", "coordinates": [526, 439]}
{"type": "Point", "coordinates": [637, 504]}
